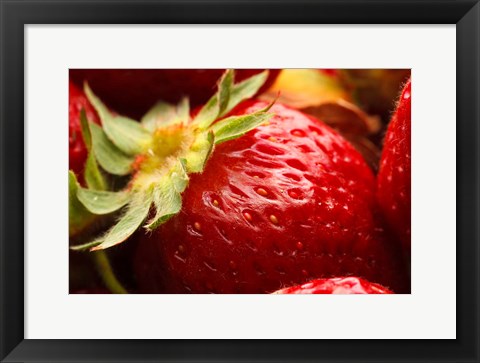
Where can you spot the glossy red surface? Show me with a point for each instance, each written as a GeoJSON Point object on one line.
{"type": "Point", "coordinates": [287, 202]}
{"type": "Point", "coordinates": [394, 177]}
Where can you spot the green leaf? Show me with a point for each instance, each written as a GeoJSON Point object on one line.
{"type": "Point", "coordinates": [167, 196]}
{"type": "Point", "coordinates": [134, 216]}
{"type": "Point", "coordinates": [208, 114]}
{"type": "Point", "coordinates": [102, 110]}
{"type": "Point", "coordinates": [102, 202]}
{"type": "Point", "coordinates": [92, 174]}
{"type": "Point", "coordinates": [199, 152]}
{"type": "Point", "coordinates": [224, 91]}
{"type": "Point", "coordinates": [238, 93]}
{"type": "Point", "coordinates": [245, 90]}
{"type": "Point", "coordinates": [78, 216]}
{"type": "Point", "coordinates": [161, 114]}
{"type": "Point", "coordinates": [127, 134]}
{"type": "Point", "coordinates": [178, 175]}
{"type": "Point", "coordinates": [183, 111]}
{"type": "Point", "coordinates": [85, 246]}
{"type": "Point", "coordinates": [164, 114]}
{"type": "Point", "coordinates": [236, 126]}
{"type": "Point", "coordinates": [217, 103]}
{"type": "Point", "coordinates": [111, 158]}
{"type": "Point", "coordinates": [86, 135]}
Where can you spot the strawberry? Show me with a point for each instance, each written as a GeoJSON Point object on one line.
{"type": "Point", "coordinates": [240, 198]}
{"type": "Point", "coordinates": [77, 149]}
{"type": "Point", "coordinates": [288, 201]}
{"type": "Point", "coordinates": [336, 285]}
{"type": "Point", "coordinates": [133, 91]}
{"type": "Point", "coordinates": [394, 177]}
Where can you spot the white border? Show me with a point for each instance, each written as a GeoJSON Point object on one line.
{"type": "Point", "coordinates": [428, 313]}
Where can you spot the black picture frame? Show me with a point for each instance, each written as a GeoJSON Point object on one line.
{"type": "Point", "coordinates": [16, 14]}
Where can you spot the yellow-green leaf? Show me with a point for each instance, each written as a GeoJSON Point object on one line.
{"type": "Point", "coordinates": [224, 91]}
{"type": "Point", "coordinates": [127, 134]}
{"type": "Point", "coordinates": [133, 217]}
{"type": "Point", "coordinates": [199, 152]}
{"type": "Point", "coordinates": [92, 174]}
{"type": "Point", "coordinates": [236, 126]}
{"type": "Point", "coordinates": [245, 90]}
{"type": "Point", "coordinates": [102, 202]}
{"type": "Point", "coordinates": [78, 216]}
{"type": "Point", "coordinates": [111, 158]}
{"type": "Point", "coordinates": [167, 196]}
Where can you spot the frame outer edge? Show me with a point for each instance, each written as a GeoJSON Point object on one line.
{"type": "Point", "coordinates": [12, 171]}
{"type": "Point", "coordinates": [12, 222]}
{"type": "Point", "coordinates": [468, 182]}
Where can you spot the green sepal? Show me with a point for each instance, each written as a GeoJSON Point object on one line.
{"type": "Point", "coordinates": [245, 90]}
{"type": "Point", "coordinates": [85, 246]}
{"type": "Point", "coordinates": [238, 93]}
{"type": "Point", "coordinates": [160, 115]}
{"type": "Point", "coordinates": [207, 114]}
{"type": "Point", "coordinates": [199, 152]}
{"type": "Point", "coordinates": [110, 157]}
{"type": "Point", "coordinates": [224, 91]}
{"type": "Point", "coordinates": [92, 174]}
{"type": "Point", "coordinates": [167, 196]}
{"type": "Point", "coordinates": [164, 114]}
{"type": "Point", "coordinates": [179, 175]}
{"type": "Point", "coordinates": [127, 134]}
{"type": "Point", "coordinates": [183, 111]}
{"type": "Point", "coordinates": [236, 126]}
{"type": "Point", "coordinates": [78, 216]}
{"type": "Point", "coordinates": [128, 223]}
{"type": "Point", "coordinates": [102, 202]}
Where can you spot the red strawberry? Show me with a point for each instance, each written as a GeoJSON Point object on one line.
{"type": "Point", "coordinates": [77, 150]}
{"type": "Point", "coordinates": [133, 91]}
{"type": "Point", "coordinates": [336, 285]}
{"type": "Point", "coordinates": [394, 177]}
{"type": "Point", "coordinates": [289, 200]}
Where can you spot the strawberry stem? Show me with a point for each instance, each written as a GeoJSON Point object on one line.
{"type": "Point", "coordinates": [106, 272]}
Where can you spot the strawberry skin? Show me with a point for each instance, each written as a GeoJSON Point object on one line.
{"type": "Point", "coordinates": [77, 150]}
{"type": "Point", "coordinates": [288, 201]}
{"type": "Point", "coordinates": [336, 285]}
{"type": "Point", "coordinates": [132, 92]}
{"type": "Point", "coordinates": [394, 177]}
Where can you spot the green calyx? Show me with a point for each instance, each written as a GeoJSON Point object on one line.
{"type": "Point", "coordinates": [157, 154]}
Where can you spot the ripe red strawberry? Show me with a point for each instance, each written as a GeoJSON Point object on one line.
{"type": "Point", "coordinates": [394, 177]}
{"type": "Point", "coordinates": [288, 201]}
{"type": "Point", "coordinates": [336, 285]}
{"type": "Point", "coordinates": [133, 91]}
{"type": "Point", "coordinates": [77, 150]}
